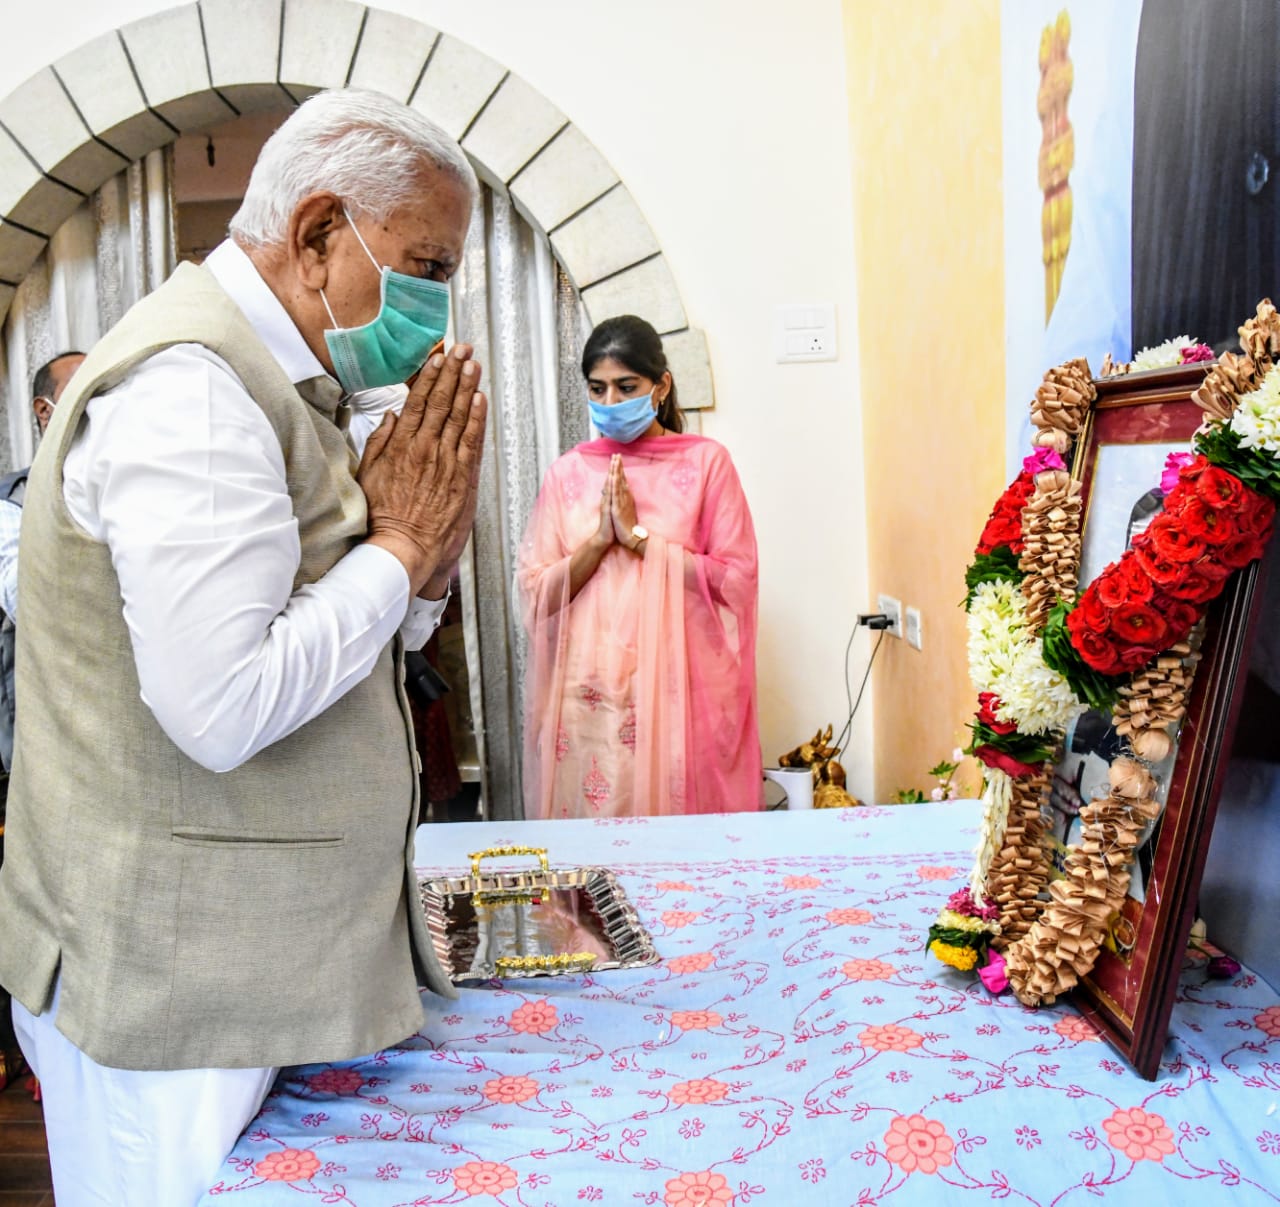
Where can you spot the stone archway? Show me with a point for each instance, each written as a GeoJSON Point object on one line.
{"type": "Point", "coordinates": [81, 120]}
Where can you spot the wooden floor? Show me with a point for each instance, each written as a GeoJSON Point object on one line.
{"type": "Point", "coordinates": [24, 1162]}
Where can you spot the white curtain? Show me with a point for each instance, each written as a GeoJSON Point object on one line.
{"type": "Point", "coordinates": [514, 303]}
{"type": "Point", "coordinates": [117, 247]}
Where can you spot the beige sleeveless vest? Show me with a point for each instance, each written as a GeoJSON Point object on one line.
{"type": "Point", "coordinates": [264, 916]}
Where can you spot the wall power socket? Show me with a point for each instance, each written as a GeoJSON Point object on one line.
{"type": "Point", "coordinates": [892, 608]}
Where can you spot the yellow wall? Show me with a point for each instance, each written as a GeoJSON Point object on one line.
{"type": "Point", "coordinates": [924, 110]}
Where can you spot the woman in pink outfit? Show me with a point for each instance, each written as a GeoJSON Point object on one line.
{"type": "Point", "coordinates": [638, 580]}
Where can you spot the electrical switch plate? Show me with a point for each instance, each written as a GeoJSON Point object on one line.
{"type": "Point", "coordinates": [912, 628]}
{"type": "Point", "coordinates": [805, 333]}
{"type": "Point", "coordinates": [892, 608]}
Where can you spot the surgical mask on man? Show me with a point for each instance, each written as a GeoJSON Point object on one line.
{"type": "Point", "coordinates": [395, 344]}
{"type": "Point", "coordinates": [624, 421]}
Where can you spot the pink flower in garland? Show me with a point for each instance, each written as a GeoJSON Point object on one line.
{"type": "Point", "coordinates": [962, 902]}
{"type": "Point", "coordinates": [1043, 459]}
{"type": "Point", "coordinates": [1194, 354]}
{"type": "Point", "coordinates": [1174, 464]}
{"type": "Point", "coordinates": [993, 975]}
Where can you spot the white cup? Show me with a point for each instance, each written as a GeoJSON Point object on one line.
{"type": "Point", "coordinates": [796, 782]}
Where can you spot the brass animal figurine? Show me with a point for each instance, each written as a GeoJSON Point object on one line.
{"type": "Point", "coordinates": [828, 775]}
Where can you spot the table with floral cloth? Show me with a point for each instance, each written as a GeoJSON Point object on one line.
{"type": "Point", "coordinates": [795, 1045]}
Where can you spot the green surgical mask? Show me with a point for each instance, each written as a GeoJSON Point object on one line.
{"type": "Point", "coordinates": [395, 344]}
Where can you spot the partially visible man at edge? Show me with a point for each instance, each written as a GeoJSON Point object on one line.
{"type": "Point", "coordinates": [225, 551]}
{"type": "Point", "coordinates": [46, 388]}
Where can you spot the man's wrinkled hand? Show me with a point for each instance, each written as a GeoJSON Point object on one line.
{"type": "Point", "coordinates": [421, 470]}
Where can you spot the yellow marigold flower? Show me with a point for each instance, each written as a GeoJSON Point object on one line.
{"type": "Point", "coordinates": [963, 958]}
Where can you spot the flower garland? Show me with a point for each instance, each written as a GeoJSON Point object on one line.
{"type": "Point", "coordinates": [1181, 350]}
{"type": "Point", "coordinates": [1123, 646]}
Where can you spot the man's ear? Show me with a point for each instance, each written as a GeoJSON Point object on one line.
{"type": "Point", "coordinates": [43, 409]}
{"type": "Point", "coordinates": [314, 220]}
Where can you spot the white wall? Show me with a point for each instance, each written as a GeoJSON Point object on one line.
{"type": "Point", "coordinates": [728, 123]}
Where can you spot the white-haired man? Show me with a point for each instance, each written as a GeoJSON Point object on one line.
{"type": "Point", "coordinates": [214, 787]}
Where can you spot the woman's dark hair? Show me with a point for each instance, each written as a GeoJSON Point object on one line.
{"type": "Point", "coordinates": [634, 343]}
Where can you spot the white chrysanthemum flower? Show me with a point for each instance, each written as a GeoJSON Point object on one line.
{"type": "Point", "coordinates": [997, 626]}
{"type": "Point", "coordinates": [1162, 356]}
{"type": "Point", "coordinates": [1007, 659]}
{"type": "Point", "coordinates": [1257, 418]}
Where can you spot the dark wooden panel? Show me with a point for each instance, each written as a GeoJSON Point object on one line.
{"type": "Point", "coordinates": [1206, 168]}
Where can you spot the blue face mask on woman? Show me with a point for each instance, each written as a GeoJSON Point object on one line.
{"type": "Point", "coordinates": [395, 344]}
{"type": "Point", "coordinates": [624, 421]}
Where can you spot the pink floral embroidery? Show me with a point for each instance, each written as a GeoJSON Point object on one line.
{"type": "Point", "coordinates": [510, 1089]}
{"type": "Point", "coordinates": [288, 1165]}
{"type": "Point", "coordinates": [335, 1081]}
{"type": "Point", "coordinates": [1269, 1021]}
{"type": "Point", "coordinates": [595, 787]}
{"type": "Point", "coordinates": [698, 1092]}
{"type": "Point", "coordinates": [849, 917]}
{"type": "Point", "coordinates": [916, 1143]}
{"type": "Point", "coordinates": [1073, 1027]}
{"type": "Point", "coordinates": [928, 872]}
{"type": "Point", "coordinates": [676, 918]}
{"type": "Point", "coordinates": [591, 696]}
{"type": "Point", "coordinates": [562, 743]}
{"type": "Point", "coordinates": [534, 1018]}
{"type": "Point", "coordinates": [627, 730]}
{"type": "Point", "coordinates": [867, 970]}
{"type": "Point", "coordinates": [705, 1189]}
{"type": "Point", "coordinates": [1140, 1135]}
{"type": "Point", "coordinates": [801, 882]}
{"type": "Point", "coordinates": [484, 1177]}
{"type": "Point", "coordinates": [890, 1037]}
{"type": "Point", "coordinates": [698, 961]}
{"type": "Point", "coordinates": [673, 886]}
{"type": "Point", "coordinates": [683, 477]}
{"type": "Point", "coordinates": [573, 485]}
{"type": "Point", "coordinates": [695, 1020]}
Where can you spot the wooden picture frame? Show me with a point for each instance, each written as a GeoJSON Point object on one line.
{"type": "Point", "coordinates": [1129, 994]}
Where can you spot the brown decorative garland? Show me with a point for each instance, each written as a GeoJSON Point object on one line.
{"type": "Point", "coordinates": [1062, 945]}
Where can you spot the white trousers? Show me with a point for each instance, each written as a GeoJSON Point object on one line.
{"type": "Point", "coordinates": [124, 1138]}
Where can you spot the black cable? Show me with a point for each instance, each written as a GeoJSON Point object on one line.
{"type": "Point", "coordinates": [845, 733]}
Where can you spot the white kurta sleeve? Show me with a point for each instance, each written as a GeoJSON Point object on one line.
{"type": "Point", "coordinates": [179, 472]}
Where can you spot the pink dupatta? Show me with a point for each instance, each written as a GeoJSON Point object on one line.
{"type": "Point", "coordinates": [640, 692]}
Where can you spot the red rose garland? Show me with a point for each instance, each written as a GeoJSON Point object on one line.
{"type": "Point", "coordinates": [1004, 526]}
{"type": "Point", "coordinates": [1212, 525]}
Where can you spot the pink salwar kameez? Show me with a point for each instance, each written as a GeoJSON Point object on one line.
{"type": "Point", "coordinates": [640, 692]}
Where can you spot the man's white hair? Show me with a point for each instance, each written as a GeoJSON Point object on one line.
{"type": "Point", "coordinates": [367, 148]}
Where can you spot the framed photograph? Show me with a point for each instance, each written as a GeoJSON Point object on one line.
{"type": "Point", "coordinates": [1138, 421]}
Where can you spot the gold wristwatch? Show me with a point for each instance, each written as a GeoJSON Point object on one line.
{"type": "Point", "coordinates": [638, 533]}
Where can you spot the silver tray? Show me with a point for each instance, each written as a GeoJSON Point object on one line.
{"type": "Point", "coordinates": [536, 922]}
